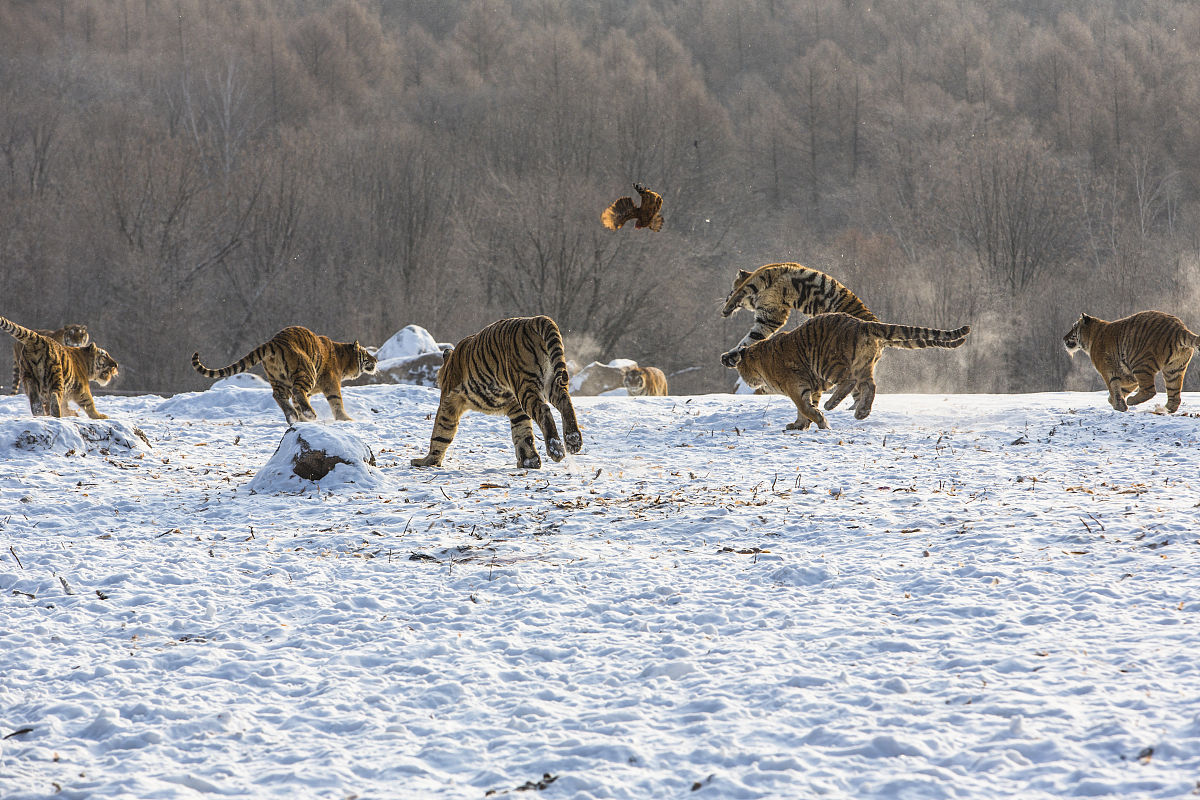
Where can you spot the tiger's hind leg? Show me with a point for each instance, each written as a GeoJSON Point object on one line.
{"type": "Point", "coordinates": [839, 394]}
{"type": "Point", "coordinates": [1173, 374]}
{"type": "Point", "coordinates": [283, 398]}
{"type": "Point", "coordinates": [571, 433]}
{"type": "Point", "coordinates": [1145, 386]}
{"type": "Point", "coordinates": [865, 398]}
{"type": "Point", "coordinates": [301, 389]}
{"type": "Point", "coordinates": [522, 438]}
{"type": "Point", "coordinates": [450, 411]}
{"type": "Point", "coordinates": [533, 404]}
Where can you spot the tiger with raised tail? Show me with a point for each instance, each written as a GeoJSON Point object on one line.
{"type": "Point", "coordinates": [511, 367]}
{"type": "Point", "coordinates": [299, 362]}
{"type": "Point", "coordinates": [773, 291]}
{"type": "Point", "coordinates": [645, 382]}
{"type": "Point", "coordinates": [54, 374]}
{"type": "Point", "coordinates": [71, 335]}
{"type": "Point", "coordinates": [830, 351]}
{"type": "Point", "coordinates": [1130, 351]}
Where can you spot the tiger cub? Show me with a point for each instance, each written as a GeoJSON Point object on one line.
{"type": "Point", "coordinates": [645, 381]}
{"type": "Point", "coordinates": [55, 374]}
{"type": "Point", "coordinates": [510, 367]}
{"type": "Point", "coordinates": [830, 350]}
{"type": "Point", "coordinates": [73, 335]}
{"type": "Point", "coordinates": [299, 362]}
{"type": "Point", "coordinates": [1130, 351]}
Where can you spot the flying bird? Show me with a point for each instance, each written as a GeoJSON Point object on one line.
{"type": "Point", "coordinates": [623, 210]}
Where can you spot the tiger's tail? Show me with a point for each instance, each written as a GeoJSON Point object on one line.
{"type": "Point", "coordinates": [912, 338]}
{"type": "Point", "coordinates": [249, 360]}
{"type": "Point", "coordinates": [20, 333]}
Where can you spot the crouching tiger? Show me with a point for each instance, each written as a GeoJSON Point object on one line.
{"type": "Point", "coordinates": [830, 351]}
{"type": "Point", "coordinates": [1130, 351]}
{"type": "Point", "coordinates": [510, 367]}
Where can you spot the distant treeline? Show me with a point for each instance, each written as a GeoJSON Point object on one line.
{"type": "Point", "coordinates": [191, 175]}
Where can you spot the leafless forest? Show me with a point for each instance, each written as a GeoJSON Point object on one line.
{"type": "Point", "coordinates": [191, 175]}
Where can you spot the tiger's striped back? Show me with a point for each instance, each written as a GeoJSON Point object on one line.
{"type": "Point", "coordinates": [55, 374]}
{"type": "Point", "coordinates": [488, 366]}
{"type": "Point", "coordinates": [510, 367]}
{"type": "Point", "coordinates": [1129, 352]}
{"type": "Point", "coordinates": [72, 335]}
{"type": "Point", "coordinates": [773, 291]}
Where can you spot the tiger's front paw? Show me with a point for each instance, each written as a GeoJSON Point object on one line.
{"type": "Point", "coordinates": [574, 442]}
{"type": "Point", "coordinates": [530, 463]}
{"type": "Point", "coordinates": [798, 426]}
{"type": "Point", "coordinates": [554, 448]}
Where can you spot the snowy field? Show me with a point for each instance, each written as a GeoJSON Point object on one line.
{"type": "Point", "coordinates": [959, 597]}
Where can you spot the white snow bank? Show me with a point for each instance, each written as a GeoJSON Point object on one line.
{"type": "Point", "coordinates": [248, 380]}
{"type": "Point", "coordinates": [408, 342]}
{"type": "Point", "coordinates": [313, 456]}
{"type": "Point", "coordinates": [220, 402]}
{"type": "Point", "coordinates": [67, 436]}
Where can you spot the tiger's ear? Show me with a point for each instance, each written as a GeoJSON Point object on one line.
{"type": "Point", "coordinates": [446, 353]}
{"type": "Point", "coordinates": [356, 344]}
{"type": "Point", "coordinates": [742, 275]}
{"type": "Point", "coordinates": [1086, 318]}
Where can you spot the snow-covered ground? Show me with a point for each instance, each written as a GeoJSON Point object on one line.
{"type": "Point", "coordinates": [961, 596]}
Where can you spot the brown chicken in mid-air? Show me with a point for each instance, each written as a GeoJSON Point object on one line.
{"type": "Point", "coordinates": [623, 210]}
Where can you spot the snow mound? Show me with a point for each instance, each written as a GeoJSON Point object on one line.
{"type": "Point", "coordinates": [313, 456]}
{"type": "Point", "coordinates": [67, 436]}
{"type": "Point", "coordinates": [408, 342]}
{"type": "Point", "coordinates": [247, 380]}
{"type": "Point", "coordinates": [220, 401]}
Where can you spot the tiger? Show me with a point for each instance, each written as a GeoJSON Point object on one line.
{"type": "Point", "coordinates": [1130, 351]}
{"type": "Point", "coordinates": [645, 381]}
{"type": "Point", "coordinates": [55, 374]}
{"type": "Point", "coordinates": [72, 335]}
{"type": "Point", "coordinates": [510, 367]}
{"type": "Point", "coordinates": [297, 363]}
{"type": "Point", "coordinates": [773, 290]}
{"type": "Point", "coordinates": [836, 351]}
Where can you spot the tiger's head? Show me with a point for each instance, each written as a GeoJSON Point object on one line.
{"type": "Point", "coordinates": [740, 296]}
{"type": "Point", "coordinates": [102, 367]}
{"type": "Point", "coordinates": [1080, 334]}
{"type": "Point", "coordinates": [745, 359]}
{"type": "Point", "coordinates": [634, 380]}
{"type": "Point", "coordinates": [75, 335]}
{"type": "Point", "coordinates": [365, 360]}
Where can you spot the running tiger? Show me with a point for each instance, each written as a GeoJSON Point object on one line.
{"type": "Point", "coordinates": [1130, 351]}
{"type": "Point", "coordinates": [645, 382]}
{"type": "Point", "coordinates": [774, 290]}
{"type": "Point", "coordinates": [510, 367]}
{"type": "Point", "coordinates": [73, 335]}
{"type": "Point", "coordinates": [55, 374]}
{"type": "Point", "coordinates": [830, 350]}
{"type": "Point", "coordinates": [299, 362]}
